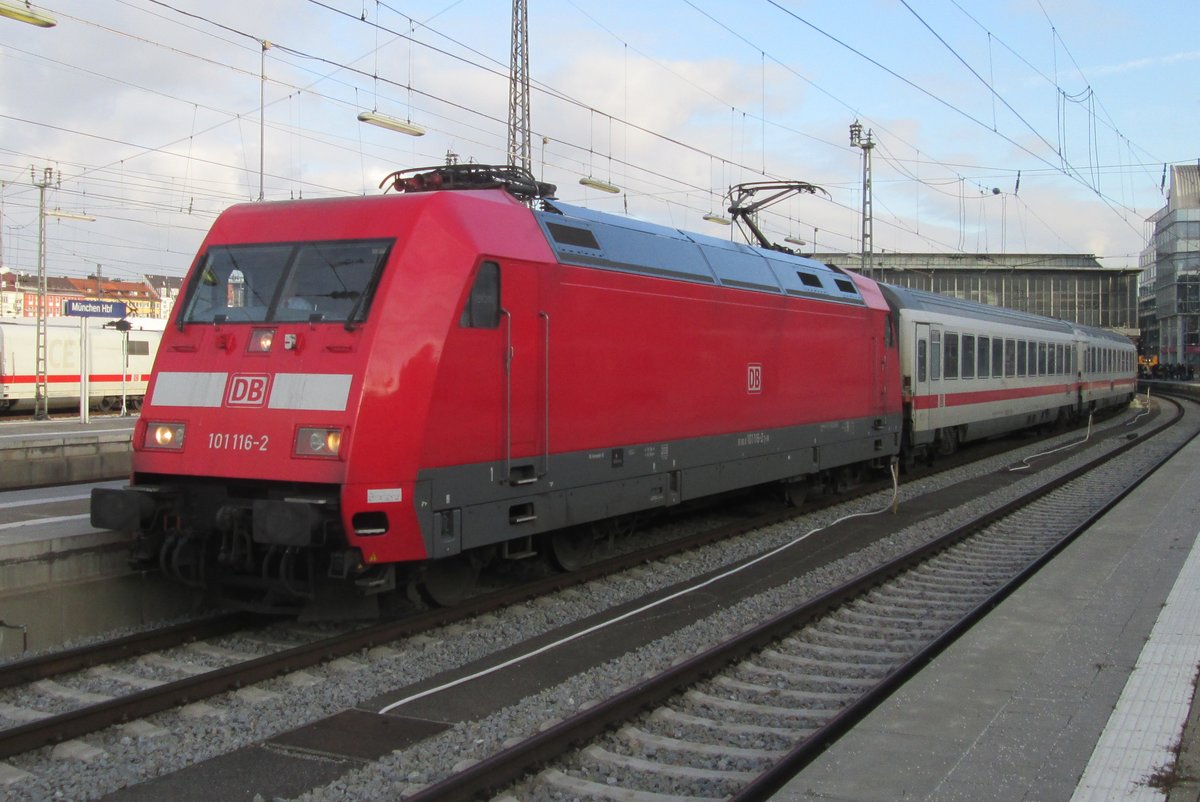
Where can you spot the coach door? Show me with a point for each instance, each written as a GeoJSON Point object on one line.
{"type": "Point", "coordinates": [927, 357]}
{"type": "Point", "coordinates": [527, 329]}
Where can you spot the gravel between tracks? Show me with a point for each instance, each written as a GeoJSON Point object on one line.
{"type": "Point", "coordinates": [131, 758]}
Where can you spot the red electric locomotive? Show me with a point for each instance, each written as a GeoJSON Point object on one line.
{"type": "Point", "coordinates": [365, 394]}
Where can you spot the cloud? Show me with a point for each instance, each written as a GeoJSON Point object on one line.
{"type": "Point", "coordinates": [1144, 63]}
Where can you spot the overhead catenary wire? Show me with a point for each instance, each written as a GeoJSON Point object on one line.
{"type": "Point", "coordinates": [658, 182]}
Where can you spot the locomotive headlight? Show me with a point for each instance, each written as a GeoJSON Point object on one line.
{"type": "Point", "coordinates": [164, 436]}
{"type": "Point", "coordinates": [318, 442]}
{"type": "Point", "coordinates": [261, 340]}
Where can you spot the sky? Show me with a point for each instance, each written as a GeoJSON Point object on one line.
{"type": "Point", "coordinates": [1006, 126]}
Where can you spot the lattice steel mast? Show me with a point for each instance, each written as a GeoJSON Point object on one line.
{"type": "Point", "coordinates": [519, 149]}
{"type": "Point", "coordinates": [857, 140]}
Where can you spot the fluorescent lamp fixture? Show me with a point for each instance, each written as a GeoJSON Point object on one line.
{"type": "Point", "coordinates": [716, 218]}
{"type": "Point", "coordinates": [391, 123]}
{"type": "Point", "coordinates": [61, 215]}
{"type": "Point", "coordinates": [23, 12]}
{"type": "Point", "coordinates": [596, 183]}
{"type": "Point", "coordinates": [795, 240]}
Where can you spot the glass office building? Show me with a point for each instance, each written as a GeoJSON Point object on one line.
{"type": "Point", "coordinates": [1171, 274]}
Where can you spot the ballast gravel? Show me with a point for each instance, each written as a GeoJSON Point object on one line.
{"type": "Point", "coordinates": [170, 741]}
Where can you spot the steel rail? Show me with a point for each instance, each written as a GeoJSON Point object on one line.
{"type": "Point", "coordinates": [44, 666]}
{"type": "Point", "coordinates": [71, 724]}
{"type": "Point", "coordinates": [496, 772]}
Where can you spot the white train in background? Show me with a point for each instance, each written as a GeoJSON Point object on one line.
{"type": "Point", "coordinates": [107, 352]}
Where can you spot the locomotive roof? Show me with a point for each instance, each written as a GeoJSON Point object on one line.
{"type": "Point", "coordinates": [596, 239]}
{"type": "Point", "coordinates": [908, 298]}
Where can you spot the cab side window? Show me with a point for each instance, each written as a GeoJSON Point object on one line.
{"type": "Point", "coordinates": [482, 310]}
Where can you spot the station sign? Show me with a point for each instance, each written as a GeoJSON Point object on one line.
{"type": "Point", "coordinates": [88, 308]}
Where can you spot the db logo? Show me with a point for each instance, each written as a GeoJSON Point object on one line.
{"type": "Point", "coordinates": [247, 390]}
{"type": "Point", "coordinates": [754, 379]}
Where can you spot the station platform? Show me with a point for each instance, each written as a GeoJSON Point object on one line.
{"type": "Point", "coordinates": [60, 578]}
{"type": "Point", "coordinates": [1079, 686]}
{"type": "Point", "coordinates": [61, 451]}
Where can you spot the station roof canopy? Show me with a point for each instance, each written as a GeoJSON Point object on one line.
{"type": "Point", "coordinates": [979, 262]}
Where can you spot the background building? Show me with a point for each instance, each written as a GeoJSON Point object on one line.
{"type": "Point", "coordinates": [152, 297]}
{"type": "Point", "coordinates": [1074, 287]}
{"type": "Point", "coordinates": [1171, 274]}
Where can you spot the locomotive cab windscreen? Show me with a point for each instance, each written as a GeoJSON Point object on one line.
{"type": "Point", "coordinates": [318, 282]}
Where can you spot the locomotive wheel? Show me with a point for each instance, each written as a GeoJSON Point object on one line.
{"type": "Point", "coordinates": [449, 581]}
{"type": "Point", "coordinates": [572, 547]}
{"type": "Point", "coordinates": [794, 493]}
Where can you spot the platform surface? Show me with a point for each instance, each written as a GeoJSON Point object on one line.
{"type": "Point", "coordinates": [1077, 687]}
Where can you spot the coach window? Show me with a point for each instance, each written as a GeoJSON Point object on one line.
{"type": "Point", "coordinates": [985, 357]}
{"type": "Point", "coordinates": [483, 305]}
{"type": "Point", "coordinates": [1010, 358]}
{"type": "Point", "coordinates": [968, 356]}
{"type": "Point", "coordinates": [935, 354]}
{"type": "Point", "coordinates": [921, 361]}
{"type": "Point", "coordinates": [1041, 359]}
{"type": "Point", "coordinates": [1021, 363]}
{"type": "Point", "coordinates": [1062, 359]}
{"type": "Point", "coordinates": [950, 364]}
{"type": "Point", "coordinates": [997, 358]}
{"type": "Point", "coordinates": [1051, 365]}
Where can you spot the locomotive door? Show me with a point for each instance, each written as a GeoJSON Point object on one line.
{"type": "Point", "coordinates": [883, 358]}
{"type": "Point", "coordinates": [526, 374]}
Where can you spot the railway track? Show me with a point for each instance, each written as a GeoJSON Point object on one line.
{"type": "Point", "coordinates": [34, 726]}
{"type": "Point", "coordinates": [96, 714]}
{"type": "Point", "coordinates": [740, 719]}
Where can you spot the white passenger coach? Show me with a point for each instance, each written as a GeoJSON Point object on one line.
{"type": "Point", "coordinates": [972, 371]}
{"type": "Point", "coordinates": [110, 355]}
